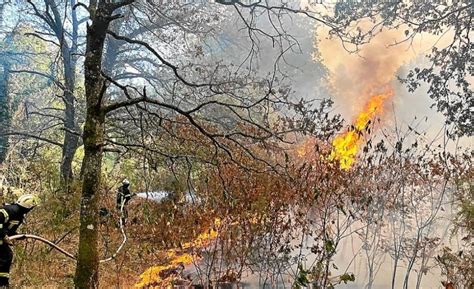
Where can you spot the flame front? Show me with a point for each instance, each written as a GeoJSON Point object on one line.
{"type": "Point", "coordinates": [346, 145]}
{"type": "Point", "coordinates": [164, 275]}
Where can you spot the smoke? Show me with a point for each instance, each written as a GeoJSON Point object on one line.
{"type": "Point", "coordinates": [355, 77]}
{"type": "Point", "coordinates": [364, 83]}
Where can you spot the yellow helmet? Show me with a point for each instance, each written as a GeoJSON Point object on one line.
{"type": "Point", "coordinates": [28, 201]}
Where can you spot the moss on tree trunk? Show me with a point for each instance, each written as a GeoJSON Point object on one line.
{"type": "Point", "coordinates": [87, 270]}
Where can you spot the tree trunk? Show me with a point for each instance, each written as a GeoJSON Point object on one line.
{"type": "Point", "coordinates": [4, 110]}
{"type": "Point", "coordinates": [71, 138]}
{"type": "Point", "coordinates": [69, 56]}
{"type": "Point", "coordinates": [5, 115]}
{"type": "Point", "coordinates": [87, 270]}
{"type": "Point", "coordinates": [69, 150]}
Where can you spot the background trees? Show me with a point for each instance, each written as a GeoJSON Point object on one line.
{"type": "Point", "coordinates": [60, 20]}
{"type": "Point", "coordinates": [54, 27]}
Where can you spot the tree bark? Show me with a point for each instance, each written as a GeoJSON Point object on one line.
{"type": "Point", "coordinates": [87, 270]}
{"type": "Point", "coordinates": [71, 138]}
{"type": "Point", "coordinates": [4, 110]}
{"type": "Point", "coordinates": [5, 114]}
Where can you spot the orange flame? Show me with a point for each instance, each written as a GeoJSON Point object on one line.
{"type": "Point", "coordinates": [177, 257]}
{"type": "Point", "coordinates": [346, 146]}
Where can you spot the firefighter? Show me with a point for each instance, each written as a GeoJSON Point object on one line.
{"type": "Point", "coordinates": [11, 217]}
{"type": "Point", "coordinates": [123, 197]}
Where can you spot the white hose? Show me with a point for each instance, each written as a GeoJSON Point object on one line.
{"type": "Point", "coordinates": [114, 255]}
{"type": "Point", "coordinates": [123, 234]}
{"type": "Point", "coordinates": [23, 236]}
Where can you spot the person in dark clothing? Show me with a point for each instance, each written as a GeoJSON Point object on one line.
{"type": "Point", "coordinates": [123, 197]}
{"type": "Point", "coordinates": [11, 217]}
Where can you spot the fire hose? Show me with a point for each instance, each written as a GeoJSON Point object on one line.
{"type": "Point", "coordinates": [53, 245]}
{"type": "Point", "coordinates": [25, 236]}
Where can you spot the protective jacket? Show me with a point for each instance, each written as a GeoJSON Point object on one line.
{"type": "Point", "coordinates": [123, 196]}
{"type": "Point", "coordinates": [11, 217]}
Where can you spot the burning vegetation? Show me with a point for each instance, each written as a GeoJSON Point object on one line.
{"type": "Point", "coordinates": [176, 260]}
{"type": "Point", "coordinates": [347, 145]}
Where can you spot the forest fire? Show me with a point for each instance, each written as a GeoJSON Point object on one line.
{"type": "Point", "coordinates": [346, 146]}
{"type": "Point", "coordinates": [165, 276]}
{"type": "Point", "coordinates": [236, 144]}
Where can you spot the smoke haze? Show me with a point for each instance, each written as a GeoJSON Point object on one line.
{"type": "Point", "coordinates": [354, 77]}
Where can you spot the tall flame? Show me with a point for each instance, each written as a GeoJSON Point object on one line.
{"type": "Point", "coordinates": [353, 78]}
{"type": "Point", "coordinates": [347, 145]}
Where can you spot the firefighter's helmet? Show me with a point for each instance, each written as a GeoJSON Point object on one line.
{"type": "Point", "coordinates": [28, 201]}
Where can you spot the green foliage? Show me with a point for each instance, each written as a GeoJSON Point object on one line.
{"type": "Point", "coordinates": [302, 279]}
{"type": "Point", "coordinates": [36, 48]}
{"type": "Point", "coordinates": [347, 277]}
{"type": "Point", "coordinates": [466, 213]}
{"type": "Point", "coordinates": [330, 247]}
{"type": "Point", "coordinates": [77, 161]}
